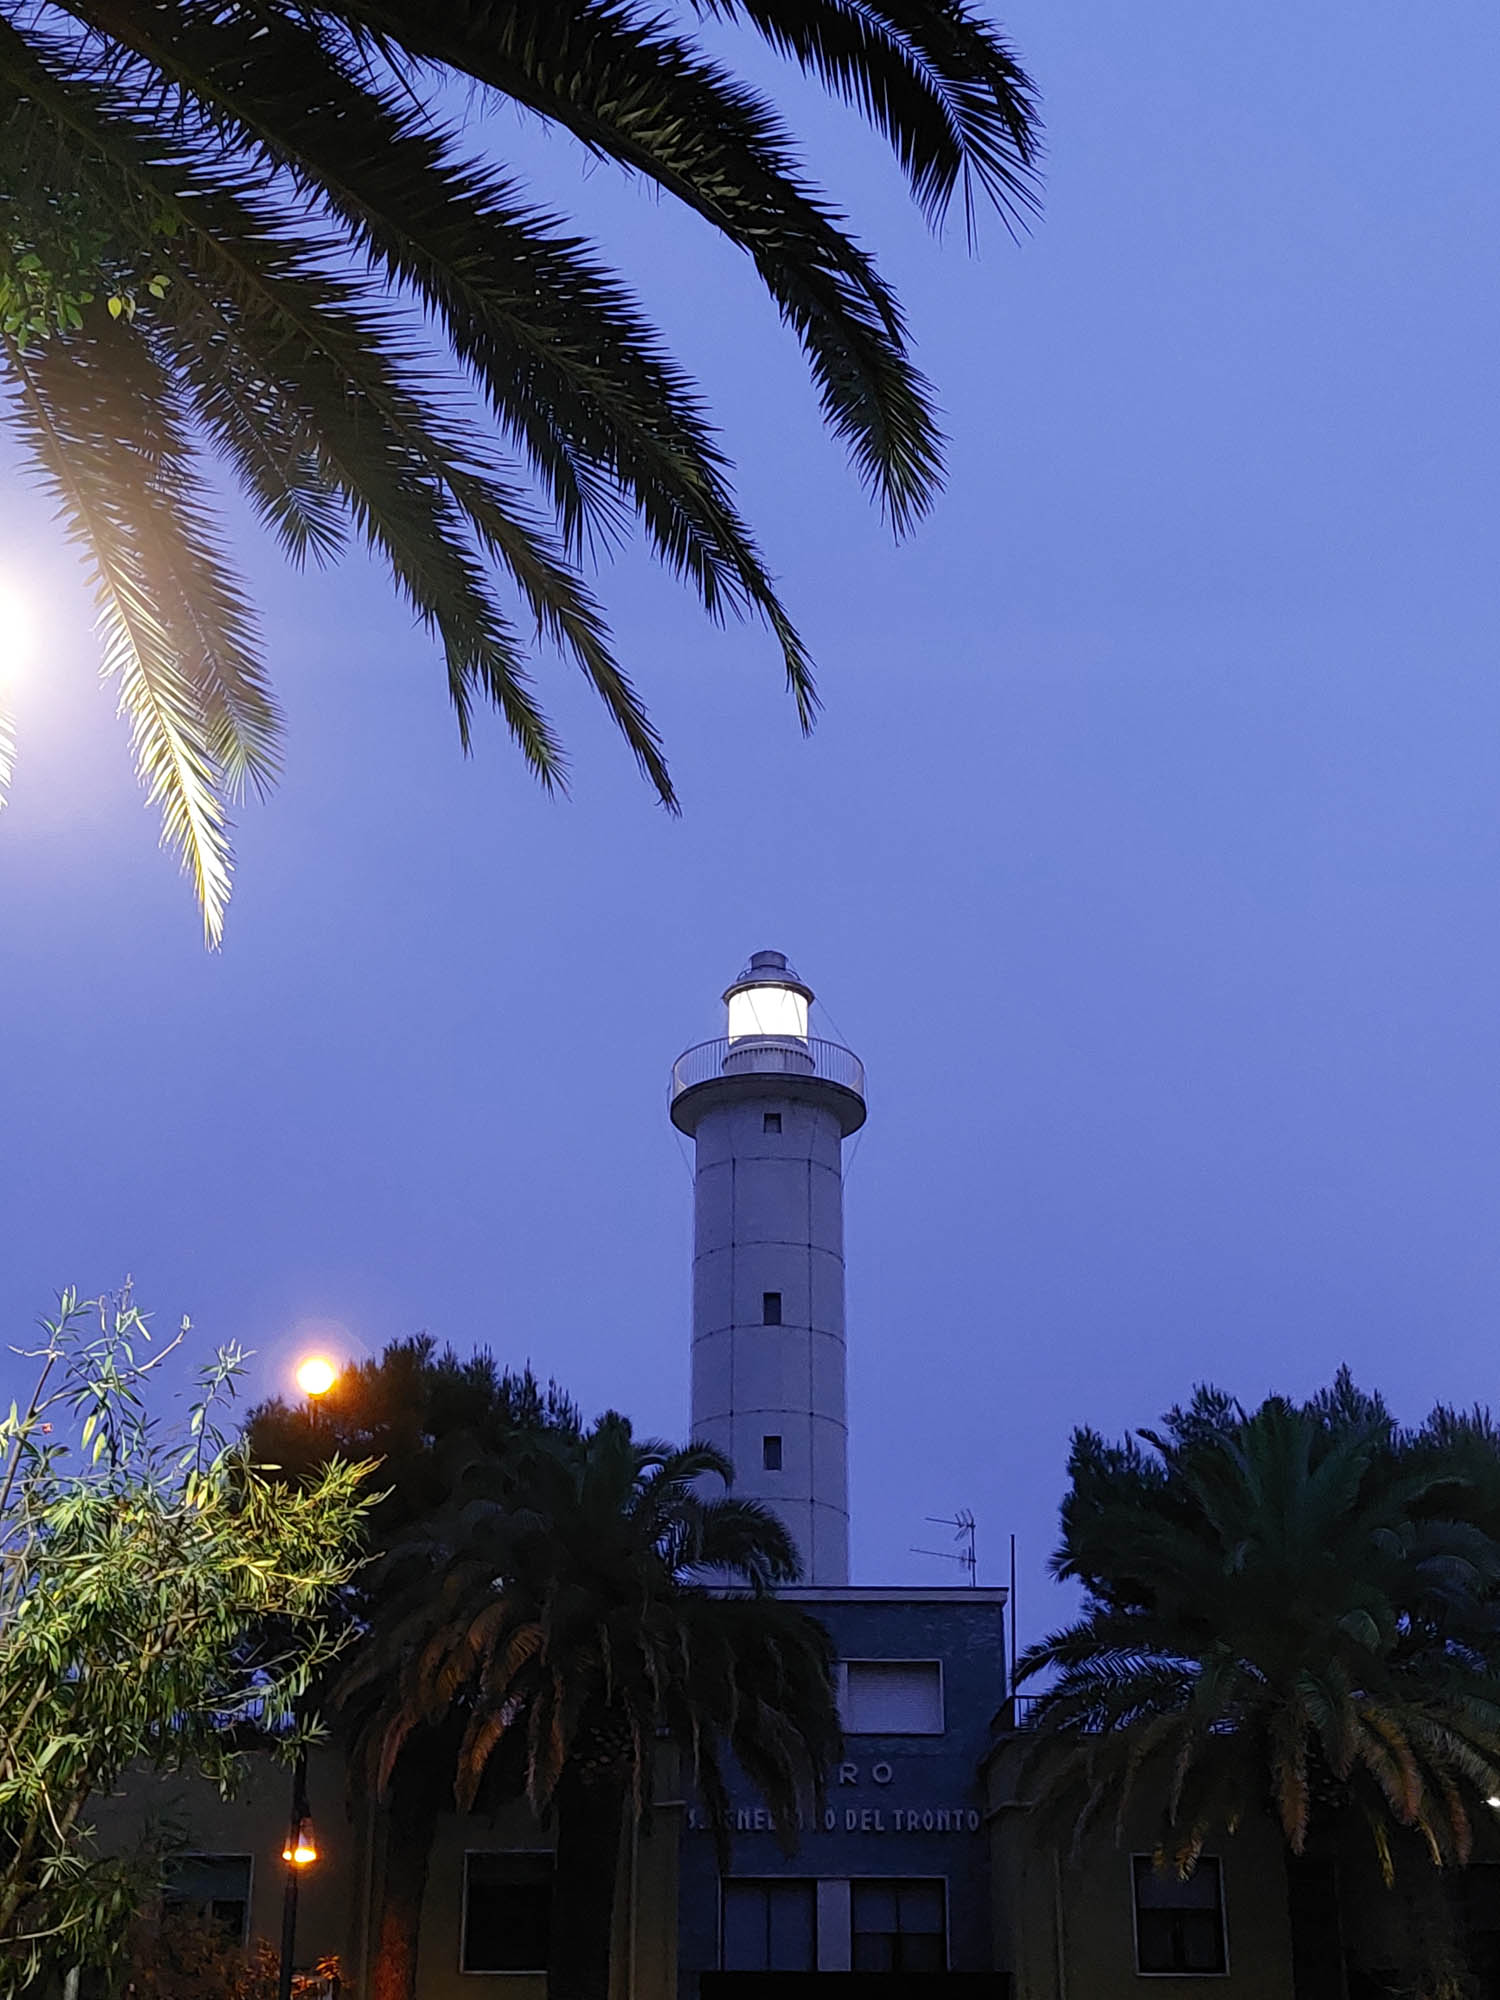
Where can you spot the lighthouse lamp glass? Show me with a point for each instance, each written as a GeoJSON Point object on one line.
{"type": "Point", "coordinates": [768, 1010]}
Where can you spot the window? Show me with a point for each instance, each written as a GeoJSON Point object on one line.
{"type": "Point", "coordinates": [507, 1912]}
{"type": "Point", "coordinates": [1179, 1925]}
{"type": "Point", "coordinates": [770, 1454]}
{"type": "Point", "coordinates": [770, 1926]}
{"type": "Point", "coordinates": [770, 1308]}
{"type": "Point", "coordinates": [1476, 1896]}
{"type": "Point", "coordinates": [893, 1697]}
{"type": "Point", "coordinates": [898, 1926]}
{"type": "Point", "coordinates": [771, 1122]}
{"type": "Point", "coordinates": [216, 1886]}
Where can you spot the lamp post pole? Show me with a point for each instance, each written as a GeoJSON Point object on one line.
{"type": "Point", "coordinates": [293, 1869]}
{"type": "Point", "coordinates": [315, 1376]}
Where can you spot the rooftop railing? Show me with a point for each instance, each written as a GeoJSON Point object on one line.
{"type": "Point", "coordinates": [828, 1061]}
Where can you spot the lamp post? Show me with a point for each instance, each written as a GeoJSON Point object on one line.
{"type": "Point", "coordinates": [300, 1851]}
{"type": "Point", "coordinates": [315, 1376]}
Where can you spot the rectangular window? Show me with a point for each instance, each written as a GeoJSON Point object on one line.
{"type": "Point", "coordinates": [1179, 1925]}
{"type": "Point", "coordinates": [770, 1454]}
{"type": "Point", "coordinates": [893, 1697]}
{"type": "Point", "coordinates": [770, 1926]}
{"type": "Point", "coordinates": [771, 1122]}
{"type": "Point", "coordinates": [216, 1886]}
{"type": "Point", "coordinates": [507, 1912]}
{"type": "Point", "coordinates": [899, 1926]}
{"type": "Point", "coordinates": [770, 1308]}
{"type": "Point", "coordinates": [1478, 1903]}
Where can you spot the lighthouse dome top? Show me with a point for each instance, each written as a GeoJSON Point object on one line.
{"type": "Point", "coordinates": [770, 968]}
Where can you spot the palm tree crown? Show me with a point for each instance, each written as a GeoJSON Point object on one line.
{"type": "Point", "coordinates": [1294, 1607]}
{"type": "Point", "coordinates": [582, 1594]}
{"type": "Point", "coordinates": [552, 1627]}
{"type": "Point", "coordinates": [228, 231]}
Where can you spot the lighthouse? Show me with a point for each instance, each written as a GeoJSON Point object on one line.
{"type": "Point", "coordinates": [768, 1107]}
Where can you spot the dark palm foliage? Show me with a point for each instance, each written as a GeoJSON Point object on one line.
{"type": "Point", "coordinates": [230, 232]}
{"type": "Point", "coordinates": [424, 1415]}
{"type": "Point", "coordinates": [558, 1614]}
{"type": "Point", "coordinates": [1291, 1609]}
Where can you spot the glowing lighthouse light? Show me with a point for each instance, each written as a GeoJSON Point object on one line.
{"type": "Point", "coordinates": [768, 999]}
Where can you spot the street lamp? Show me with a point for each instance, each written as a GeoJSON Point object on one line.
{"type": "Point", "coordinates": [301, 1848]}
{"type": "Point", "coordinates": [315, 1375]}
{"type": "Point", "coordinates": [299, 1851]}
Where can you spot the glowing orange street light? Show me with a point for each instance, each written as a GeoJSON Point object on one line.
{"type": "Point", "coordinates": [316, 1375]}
{"type": "Point", "coordinates": [300, 1850]}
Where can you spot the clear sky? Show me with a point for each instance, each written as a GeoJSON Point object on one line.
{"type": "Point", "coordinates": [1149, 850]}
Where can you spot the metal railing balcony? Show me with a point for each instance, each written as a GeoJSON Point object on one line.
{"type": "Point", "coordinates": [828, 1062]}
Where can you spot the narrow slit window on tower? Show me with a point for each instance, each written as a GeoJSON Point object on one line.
{"type": "Point", "coordinates": [770, 1308]}
{"type": "Point", "coordinates": [771, 1122]}
{"type": "Point", "coordinates": [770, 1454]}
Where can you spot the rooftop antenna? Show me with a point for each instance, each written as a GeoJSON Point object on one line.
{"type": "Point", "coordinates": [963, 1523]}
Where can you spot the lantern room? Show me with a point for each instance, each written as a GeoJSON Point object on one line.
{"type": "Point", "coordinates": [768, 1000]}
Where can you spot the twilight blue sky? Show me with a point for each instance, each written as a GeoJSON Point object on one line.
{"type": "Point", "coordinates": [1149, 850]}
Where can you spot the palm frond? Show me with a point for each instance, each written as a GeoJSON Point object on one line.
{"type": "Point", "coordinates": [631, 90]}
{"type": "Point", "coordinates": [569, 365]}
{"type": "Point", "coordinates": [300, 233]}
{"type": "Point", "coordinates": [174, 635]}
{"type": "Point", "coordinates": [938, 81]}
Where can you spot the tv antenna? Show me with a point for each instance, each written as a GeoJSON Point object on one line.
{"type": "Point", "coordinates": [963, 1524]}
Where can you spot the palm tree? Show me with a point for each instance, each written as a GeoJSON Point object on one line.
{"type": "Point", "coordinates": [561, 1615]}
{"type": "Point", "coordinates": [1291, 1609]}
{"type": "Point", "coordinates": [426, 1417]}
{"type": "Point", "coordinates": [230, 235]}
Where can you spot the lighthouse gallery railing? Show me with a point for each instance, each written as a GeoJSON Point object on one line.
{"type": "Point", "coordinates": [830, 1061]}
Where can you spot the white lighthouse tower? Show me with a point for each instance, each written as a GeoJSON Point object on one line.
{"type": "Point", "coordinates": [768, 1108]}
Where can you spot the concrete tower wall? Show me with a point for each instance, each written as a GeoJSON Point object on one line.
{"type": "Point", "coordinates": [769, 1219]}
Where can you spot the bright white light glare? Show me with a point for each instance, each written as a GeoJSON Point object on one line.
{"type": "Point", "coordinates": [767, 1010]}
{"type": "Point", "coordinates": [1493, 1802]}
{"type": "Point", "coordinates": [17, 628]}
{"type": "Point", "coordinates": [316, 1375]}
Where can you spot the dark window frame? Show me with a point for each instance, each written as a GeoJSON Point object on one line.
{"type": "Point", "coordinates": [1141, 1864]}
{"type": "Point", "coordinates": [770, 1313]}
{"type": "Point", "coordinates": [764, 1882]}
{"type": "Point", "coordinates": [899, 1882]}
{"type": "Point", "coordinates": [865, 1660]}
{"type": "Point", "coordinates": [770, 1121]}
{"type": "Point", "coordinates": [467, 1971]}
{"type": "Point", "coordinates": [204, 1906]}
{"type": "Point", "coordinates": [771, 1452]}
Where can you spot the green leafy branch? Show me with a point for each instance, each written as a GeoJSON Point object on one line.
{"type": "Point", "coordinates": [162, 1603]}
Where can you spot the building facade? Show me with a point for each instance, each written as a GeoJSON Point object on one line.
{"type": "Point", "coordinates": [889, 1886]}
